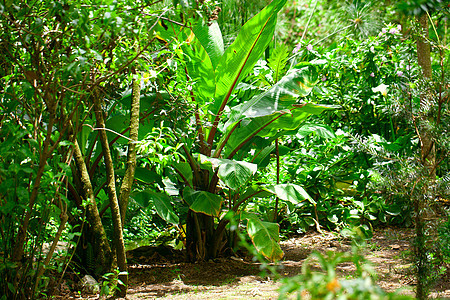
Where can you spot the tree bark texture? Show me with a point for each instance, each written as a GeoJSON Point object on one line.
{"type": "Point", "coordinates": [428, 154]}
{"type": "Point", "coordinates": [113, 200]}
{"type": "Point", "coordinates": [422, 210]}
{"type": "Point", "coordinates": [101, 247]}
{"type": "Point", "coordinates": [128, 179]}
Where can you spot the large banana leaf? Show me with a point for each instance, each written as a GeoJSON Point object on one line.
{"type": "Point", "coordinates": [269, 106]}
{"type": "Point", "coordinates": [265, 236]}
{"type": "Point", "coordinates": [164, 208]}
{"type": "Point", "coordinates": [161, 202]}
{"type": "Point", "coordinates": [271, 125]}
{"type": "Point", "coordinates": [211, 39]}
{"type": "Point", "coordinates": [262, 158]}
{"type": "Point", "coordinates": [235, 174]}
{"type": "Point", "coordinates": [143, 175]}
{"type": "Point", "coordinates": [282, 95]}
{"type": "Point", "coordinates": [184, 171]}
{"type": "Point", "coordinates": [240, 57]}
{"type": "Point", "coordinates": [199, 69]}
{"type": "Point", "coordinates": [203, 202]}
{"type": "Point", "coordinates": [321, 130]}
{"type": "Point", "coordinates": [289, 123]}
{"type": "Point", "coordinates": [290, 192]}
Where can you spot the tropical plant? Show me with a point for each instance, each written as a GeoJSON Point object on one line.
{"type": "Point", "coordinates": [215, 176]}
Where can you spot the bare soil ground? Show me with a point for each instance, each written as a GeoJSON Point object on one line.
{"type": "Point", "coordinates": [160, 273]}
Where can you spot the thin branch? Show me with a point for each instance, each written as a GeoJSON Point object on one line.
{"type": "Point", "coordinates": [110, 130]}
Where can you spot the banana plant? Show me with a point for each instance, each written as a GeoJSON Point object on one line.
{"type": "Point", "coordinates": [218, 170]}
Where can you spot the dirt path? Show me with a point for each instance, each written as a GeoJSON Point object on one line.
{"type": "Point", "coordinates": [162, 274]}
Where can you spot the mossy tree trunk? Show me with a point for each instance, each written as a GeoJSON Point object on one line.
{"type": "Point", "coordinates": [113, 199]}
{"type": "Point", "coordinates": [127, 181]}
{"type": "Point", "coordinates": [424, 124]}
{"type": "Point", "coordinates": [428, 152]}
{"type": "Point", "coordinates": [101, 248]}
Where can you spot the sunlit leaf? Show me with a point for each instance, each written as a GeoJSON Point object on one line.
{"type": "Point", "coordinates": [211, 39]}
{"type": "Point", "coordinates": [235, 174]}
{"type": "Point", "coordinates": [240, 57]}
{"type": "Point", "coordinates": [264, 236]}
{"type": "Point", "coordinates": [318, 129]}
{"type": "Point", "coordinates": [290, 192]}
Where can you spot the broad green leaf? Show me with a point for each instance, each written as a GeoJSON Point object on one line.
{"type": "Point", "coordinates": [271, 126]}
{"type": "Point", "coordinates": [83, 137]}
{"type": "Point", "coordinates": [188, 195]}
{"type": "Point", "coordinates": [290, 192]}
{"type": "Point", "coordinates": [281, 96]}
{"type": "Point", "coordinates": [319, 129]}
{"type": "Point", "coordinates": [290, 122]}
{"type": "Point", "coordinates": [117, 124]}
{"type": "Point", "coordinates": [199, 69]}
{"type": "Point", "coordinates": [145, 127]}
{"type": "Point", "coordinates": [147, 100]}
{"type": "Point", "coordinates": [143, 198]}
{"type": "Point", "coordinates": [236, 174]}
{"type": "Point", "coordinates": [264, 236]}
{"type": "Point", "coordinates": [164, 208]}
{"type": "Point", "coordinates": [203, 202]}
{"type": "Point", "coordinates": [262, 157]}
{"type": "Point", "coordinates": [240, 57]}
{"type": "Point", "coordinates": [146, 176]}
{"type": "Point", "coordinates": [211, 39]}
{"type": "Point", "coordinates": [161, 201]}
{"type": "Point", "coordinates": [184, 170]}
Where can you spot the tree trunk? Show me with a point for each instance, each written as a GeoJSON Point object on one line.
{"type": "Point", "coordinates": [127, 181]}
{"type": "Point", "coordinates": [99, 241]}
{"type": "Point", "coordinates": [428, 158]}
{"type": "Point", "coordinates": [428, 154]}
{"type": "Point", "coordinates": [113, 200]}
{"type": "Point", "coordinates": [200, 237]}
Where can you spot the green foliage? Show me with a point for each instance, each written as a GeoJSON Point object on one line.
{"type": "Point", "coordinates": [213, 102]}
{"type": "Point", "coordinates": [417, 8]}
{"type": "Point", "coordinates": [265, 236]}
{"type": "Point", "coordinates": [216, 172]}
{"type": "Point", "coordinates": [444, 240]}
{"type": "Point", "coordinates": [55, 57]}
{"type": "Point", "coordinates": [327, 163]}
{"type": "Point", "coordinates": [110, 283]}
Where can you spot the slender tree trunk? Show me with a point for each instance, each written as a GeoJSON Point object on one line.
{"type": "Point", "coordinates": [102, 250]}
{"type": "Point", "coordinates": [127, 181]}
{"type": "Point", "coordinates": [428, 158]}
{"type": "Point", "coordinates": [428, 154]}
{"type": "Point", "coordinates": [113, 200]}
